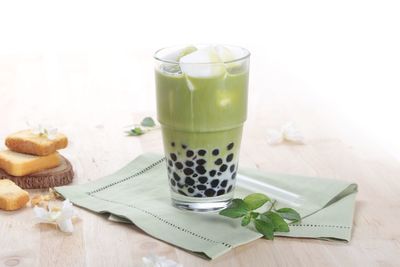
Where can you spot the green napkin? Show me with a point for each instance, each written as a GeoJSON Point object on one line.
{"type": "Point", "coordinates": [139, 193]}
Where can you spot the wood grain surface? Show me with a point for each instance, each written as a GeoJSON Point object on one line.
{"type": "Point", "coordinates": [91, 104]}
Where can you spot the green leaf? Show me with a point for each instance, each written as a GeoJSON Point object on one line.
{"type": "Point", "coordinates": [256, 200]}
{"type": "Point", "coordinates": [279, 223]}
{"type": "Point", "coordinates": [236, 209]}
{"type": "Point", "coordinates": [289, 214]}
{"type": "Point", "coordinates": [135, 131]}
{"type": "Point", "coordinates": [254, 215]}
{"type": "Point", "coordinates": [265, 227]}
{"type": "Point", "coordinates": [246, 220]}
{"type": "Point", "coordinates": [148, 122]}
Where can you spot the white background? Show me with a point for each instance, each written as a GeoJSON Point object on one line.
{"type": "Point", "coordinates": [346, 53]}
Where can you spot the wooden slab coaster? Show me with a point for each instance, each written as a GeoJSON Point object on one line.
{"type": "Point", "coordinates": [61, 175]}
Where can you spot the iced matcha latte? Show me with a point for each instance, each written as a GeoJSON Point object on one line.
{"type": "Point", "coordinates": [201, 106]}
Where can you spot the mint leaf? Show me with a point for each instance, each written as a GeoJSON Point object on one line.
{"type": "Point", "coordinates": [135, 131]}
{"type": "Point", "coordinates": [246, 220]}
{"type": "Point", "coordinates": [254, 215]}
{"type": "Point", "coordinates": [289, 214]}
{"type": "Point", "coordinates": [236, 209]}
{"type": "Point", "coordinates": [256, 200]}
{"type": "Point", "coordinates": [148, 122]}
{"type": "Point", "coordinates": [279, 223]}
{"type": "Point", "coordinates": [265, 227]}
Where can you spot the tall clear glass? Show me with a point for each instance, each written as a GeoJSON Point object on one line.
{"type": "Point", "coordinates": [201, 107]}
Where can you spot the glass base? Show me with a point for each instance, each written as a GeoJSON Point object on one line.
{"type": "Point", "coordinates": [206, 204]}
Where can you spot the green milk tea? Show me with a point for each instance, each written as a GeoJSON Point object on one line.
{"type": "Point", "coordinates": [202, 120]}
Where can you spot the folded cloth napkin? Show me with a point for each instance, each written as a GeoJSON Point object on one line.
{"type": "Point", "coordinates": [139, 194]}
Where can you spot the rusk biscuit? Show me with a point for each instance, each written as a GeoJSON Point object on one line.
{"type": "Point", "coordinates": [18, 164]}
{"type": "Point", "coordinates": [12, 197]}
{"type": "Point", "coordinates": [28, 142]}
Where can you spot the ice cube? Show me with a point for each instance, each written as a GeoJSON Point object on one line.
{"type": "Point", "coordinates": [229, 54]}
{"type": "Point", "coordinates": [176, 55]}
{"type": "Point", "coordinates": [172, 69]}
{"type": "Point", "coordinates": [202, 63]}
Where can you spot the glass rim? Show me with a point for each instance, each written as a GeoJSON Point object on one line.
{"type": "Point", "coordinates": [247, 55]}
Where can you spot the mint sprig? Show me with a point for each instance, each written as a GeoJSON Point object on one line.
{"type": "Point", "coordinates": [267, 223]}
{"type": "Point", "coordinates": [135, 131]}
{"type": "Point", "coordinates": [146, 125]}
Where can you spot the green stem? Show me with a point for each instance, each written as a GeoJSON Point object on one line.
{"type": "Point", "coordinates": [272, 205]}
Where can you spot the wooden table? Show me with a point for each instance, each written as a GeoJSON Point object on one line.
{"type": "Point", "coordinates": [92, 102]}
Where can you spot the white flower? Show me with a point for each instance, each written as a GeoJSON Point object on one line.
{"type": "Point", "coordinates": [288, 132]}
{"type": "Point", "coordinates": [48, 131]}
{"type": "Point", "coordinates": [157, 261]}
{"type": "Point", "coordinates": [62, 217]}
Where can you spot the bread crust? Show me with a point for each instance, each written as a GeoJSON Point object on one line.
{"type": "Point", "coordinates": [12, 197]}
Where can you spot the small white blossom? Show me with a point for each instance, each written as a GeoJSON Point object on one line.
{"type": "Point", "coordinates": [288, 132]}
{"type": "Point", "coordinates": [48, 131]}
{"type": "Point", "coordinates": [157, 261]}
{"type": "Point", "coordinates": [62, 217]}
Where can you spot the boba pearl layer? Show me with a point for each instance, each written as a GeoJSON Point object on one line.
{"type": "Point", "coordinates": [201, 172]}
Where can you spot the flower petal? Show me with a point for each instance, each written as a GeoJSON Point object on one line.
{"type": "Point", "coordinates": [67, 211]}
{"type": "Point", "coordinates": [51, 133]}
{"type": "Point", "coordinates": [291, 133]}
{"type": "Point", "coordinates": [274, 137]}
{"type": "Point", "coordinates": [66, 226]}
{"type": "Point", "coordinates": [42, 215]}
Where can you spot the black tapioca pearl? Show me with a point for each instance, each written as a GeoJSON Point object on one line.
{"type": "Point", "coordinates": [219, 173]}
{"type": "Point", "coordinates": [201, 187]}
{"type": "Point", "coordinates": [172, 144]}
{"type": "Point", "coordinates": [190, 190]}
{"type": "Point", "coordinates": [201, 161]}
{"type": "Point", "coordinates": [189, 163]}
{"type": "Point", "coordinates": [198, 195]}
{"type": "Point", "coordinates": [200, 169]}
{"type": "Point", "coordinates": [181, 192]}
{"type": "Point", "coordinates": [203, 179]}
{"type": "Point", "coordinates": [224, 183]}
{"type": "Point", "coordinates": [223, 167]}
{"type": "Point", "coordinates": [172, 182]}
{"type": "Point", "coordinates": [220, 192]}
{"type": "Point", "coordinates": [209, 192]}
{"type": "Point", "coordinates": [213, 173]}
{"type": "Point", "coordinates": [230, 146]}
{"type": "Point", "coordinates": [218, 162]}
{"type": "Point", "coordinates": [201, 152]}
{"type": "Point", "coordinates": [229, 189]}
{"type": "Point", "coordinates": [184, 146]}
{"type": "Point", "coordinates": [234, 175]}
{"type": "Point", "coordinates": [176, 177]}
{"type": "Point", "coordinates": [178, 165]}
{"type": "Point", "coordinates": [195, 175]}
{"type": "Point", "coordinates": [173, 156]}
{"type": "Point", "coordinates": [189, 181]}
{"type": "Point", "coordinates": [170, 163]}
{"type": "Point", "coordinates": [215, 152]}
{"type": "Point", "coordinates": [195, 157]}
{"type": "Point", "coordinates": [179, 185]}
{"type": "Point", "coordinates": [229, 158]}
{"type": "Point", "coordinates": [214, 183]}
{"type": "Point", "coordinates": [232, 168]}
{"type": "Point", "coordinates": [189, 153]}
{"type": "Point", "coordinates": [169, 169]}
{"type": "Point", "coordinates": [188, 171]}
